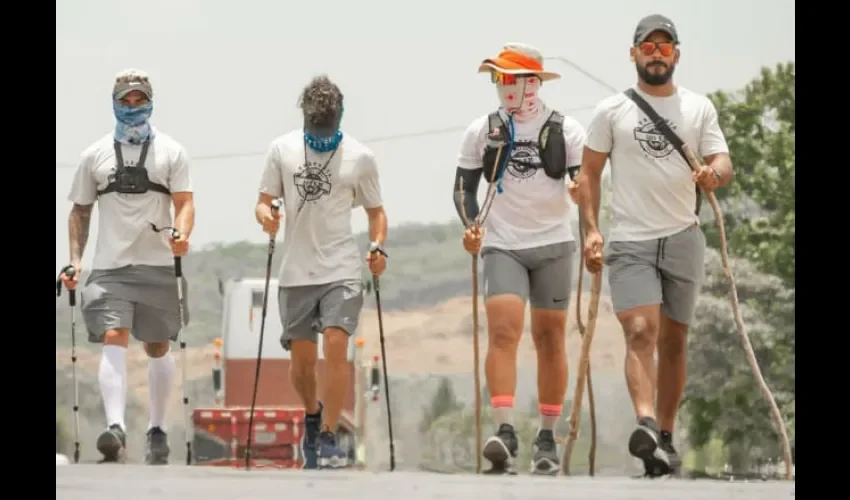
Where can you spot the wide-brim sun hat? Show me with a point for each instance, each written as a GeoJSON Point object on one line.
{"type": "Point", "coordinates": [518, 59]}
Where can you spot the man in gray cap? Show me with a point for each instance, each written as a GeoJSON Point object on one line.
{"type": "Point", "coordinates": [135, 173]}
{"type": "Point", "coordinates": [655, 254]}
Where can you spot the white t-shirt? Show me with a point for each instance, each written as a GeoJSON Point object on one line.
{"type": "Point", "coordinates": [653, 192]}
{"type": "Point", "coordinates": [124, 235]}
{"type": "Point", "coordinates": [318, 245]}
{"type": "Point", "coordinates": [532, 209]}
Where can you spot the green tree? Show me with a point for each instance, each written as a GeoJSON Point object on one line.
{"type": "Point", "coordinates": [759, 204]}
{"type": "Point", "coordinates": [444, 402]}
{"type": "Point", "coordinates": [721, 397]}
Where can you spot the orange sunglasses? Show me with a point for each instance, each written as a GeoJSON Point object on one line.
{"type": "Point", "coordinates": [666, 48]}
{"type": "Point", "coordinates": [503, 78]}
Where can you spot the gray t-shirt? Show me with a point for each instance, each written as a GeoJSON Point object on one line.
{"type": "Point", "coordinates": [124, 235]}
{"type": "Point", "coordinates": [318, 243]}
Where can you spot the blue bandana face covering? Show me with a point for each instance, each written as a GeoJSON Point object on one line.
{"type": "Point", "coordinates": [323, 143]}
{"type": "Point", "coordinates": [132, 126]}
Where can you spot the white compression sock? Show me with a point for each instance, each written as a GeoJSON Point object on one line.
{"type": "Point", "coordinates": [161, 380]}
{"type": "Point", "coordinates": [113, 383]}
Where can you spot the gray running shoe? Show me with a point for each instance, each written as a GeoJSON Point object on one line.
{"type": "Point", "coordinates": [156, 447]}
{"type": "Point", "coordinates": [545, 460]}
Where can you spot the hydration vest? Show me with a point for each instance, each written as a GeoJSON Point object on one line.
{"type": "Point", "coordinates": [551, 144]}
{"type": "Point", "coordinates": [132, 180]}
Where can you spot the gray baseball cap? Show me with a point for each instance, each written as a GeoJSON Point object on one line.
{"type": "Point", "coordinates": [655, 22]}
{"type": "Point", "coordinates": [129, 80]}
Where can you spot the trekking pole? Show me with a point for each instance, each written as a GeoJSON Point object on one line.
{"type": "Point", "coordinates": [69, 271]}
{"type": "Point", "coordinates": [178, 274]}
{"type": "Point", "coordinates": [374, 248]}
{"type": "Point", "coordinates": [584, 360]}
{"type": "Point", "coordinates": [477, 224]}
{"type": "Point", "coordinates": [275, 206]}
{"type": "Point", "coordinates": [776, 416]}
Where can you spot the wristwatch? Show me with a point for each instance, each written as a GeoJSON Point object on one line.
{"type": "Point", "coordinates": [376, 247]}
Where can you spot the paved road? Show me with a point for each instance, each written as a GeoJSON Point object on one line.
{"type": "Point", "coordinates": [127, 482]}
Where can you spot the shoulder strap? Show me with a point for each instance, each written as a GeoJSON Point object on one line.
{"type": "Point", "coordinates": [495, 121]}
{"type": "Point", "coordinates": [554, 118]}
{"type": "Point", "coordinates": [662, 126]}
{"type": "Point", "coordinates": [119, 158]}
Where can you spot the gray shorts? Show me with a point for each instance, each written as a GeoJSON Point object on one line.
{"type": "Point", "coordinates": [308, 310]}
{"type": "Point", "coordinates": [142, 299]}
{"type": "Point", "coordinates": [542, 275]}
{"type": "Point", "coordinates": [667, 271]}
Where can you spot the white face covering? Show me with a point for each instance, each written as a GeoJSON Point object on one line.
{"type": "Point", "coordinates": [520, 98]}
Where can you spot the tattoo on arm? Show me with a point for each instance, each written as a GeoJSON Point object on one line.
{"type": "Point", "coordinates": [78, 230]}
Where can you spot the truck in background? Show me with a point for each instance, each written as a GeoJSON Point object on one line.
{"type": "Point", "coordinates": [221, 432]}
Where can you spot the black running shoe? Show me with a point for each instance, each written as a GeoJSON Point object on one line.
{"type": "Point", "coordinates": [666, 444]}
{"type": "Point", "coordinates": [644, 444]}
{"type": "Point", "coordinates": [111, 443]}
{"type": "Point", "coordinates": [501, 449]}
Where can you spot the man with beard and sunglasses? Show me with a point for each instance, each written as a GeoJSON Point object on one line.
{"type": "Point", "coordinates": [135, 173]}
{"type": "Point", "coordinates": [527, 150]}
{"type": "Point", "coordinates": [322, 174]}
{"type": "Point", "coordinates": [656, 247]}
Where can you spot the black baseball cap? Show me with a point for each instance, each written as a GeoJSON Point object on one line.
{"type": "Point", "coordinates": [655, 22]}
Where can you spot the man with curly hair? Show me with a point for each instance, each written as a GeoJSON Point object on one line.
{"type": "Point", "coordinates": [322, 174]}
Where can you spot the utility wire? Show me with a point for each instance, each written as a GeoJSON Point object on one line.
{"type": "Point", "coordinates": [374, 140]}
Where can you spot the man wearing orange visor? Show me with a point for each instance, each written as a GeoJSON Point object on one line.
{"type": "Point", "coordinates": [655, 256]}
{"type": "Point", "coordinates": [527, 245]}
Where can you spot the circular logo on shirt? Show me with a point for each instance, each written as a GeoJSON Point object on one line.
{"type": "Point", "coordinates": [525, 160]}
{"type": "Point", "coordinates": [651, 140]}
{"type": "Point", "coordinates": [312, 182]}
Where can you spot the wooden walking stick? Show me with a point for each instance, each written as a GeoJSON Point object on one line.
{"type": "Point", "coordinates": [776, 416]}
{"type": "Point", "coordinates": [477, 224]}
{"type": "Point", "coordinates": [591, 458]}
{"type": "Point", "coordinates": [583, 373]}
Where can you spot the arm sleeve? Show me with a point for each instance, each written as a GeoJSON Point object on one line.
{"type": "Point", "coordinates": [599, 136]}
{"type": "Point", "coordinates": [469, 169]}
{"type": "Point", "coordinates": [368, 191]}
{"type": "Point", "coordinates": [271, 182]}
{"type": "Point", "coordinates": [84, 186]}
{"type": "Point", "coordinates": [712, 140]}
{"type": "Point", "coordinates": [179, 179]}
{"type": "Point", "coordinates": [469, 196]}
